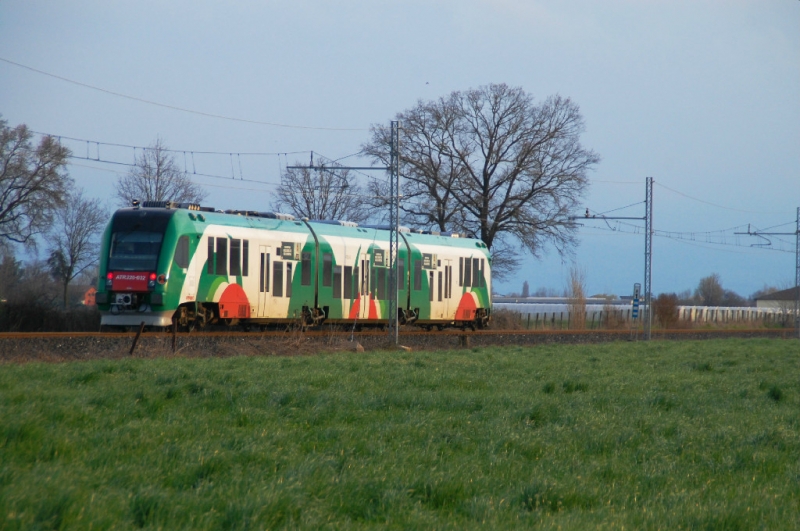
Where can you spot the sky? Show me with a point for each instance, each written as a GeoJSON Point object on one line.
{"type": "Point", "coordinates": [701, 95]}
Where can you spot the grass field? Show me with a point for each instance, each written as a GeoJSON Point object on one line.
{"type": "Point", "coordinates": [665, 435]}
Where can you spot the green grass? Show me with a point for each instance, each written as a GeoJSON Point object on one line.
{"type": "Point", "coordinates": [666, 435]}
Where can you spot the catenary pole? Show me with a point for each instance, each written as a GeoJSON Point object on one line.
{"type": "Point", "coordinates": [394, 232]}
{"type": "Point", "coordinates": [797, 277]}
{"type": "Point", "coordinates": [647, 319]}
{"type": "Point", "coordinates": [648, 258]}
{"type": "Point", "coordinates": [796, 234]}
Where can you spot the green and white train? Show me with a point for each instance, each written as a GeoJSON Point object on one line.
{"type": "Point", "coordinates": [164, 263]}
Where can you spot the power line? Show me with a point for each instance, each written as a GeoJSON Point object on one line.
{"type": "Point", "coordinates": [132, 165]}
{"type": "Point", "coordinates": [723, 237]}
{"type": "Point", "coordinates": [131, 146]}
{"type": "Point", "coordinates": [176, 108]}
{"type": "Point", "coordinates": [687, 196]}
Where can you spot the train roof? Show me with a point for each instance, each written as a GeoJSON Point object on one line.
{"type": "Point", "coordinates": [287, 222]}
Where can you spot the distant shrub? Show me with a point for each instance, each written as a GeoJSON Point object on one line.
{"type": "Point", "coordinates": [36, 316]}
{"type": "Point", "coordinates": [665, 308]}
{"type": "Point", "coordinates": [506, 320]}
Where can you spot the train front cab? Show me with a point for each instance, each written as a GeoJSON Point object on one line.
{"type": "Point", "coordinates": [132, 269]}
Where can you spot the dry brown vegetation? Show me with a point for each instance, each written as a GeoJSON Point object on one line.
{"type": "Point", "coordinates": [577, 298]}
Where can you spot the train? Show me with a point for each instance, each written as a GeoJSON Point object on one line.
{"type": "Point", "coordinates": [167, 264]}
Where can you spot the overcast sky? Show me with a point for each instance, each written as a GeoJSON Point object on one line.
{"type": "Point", "coordinates": [701, 95]}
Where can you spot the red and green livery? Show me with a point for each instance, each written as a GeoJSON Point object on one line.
{"type": "Point", "coordinates": [165, 262]}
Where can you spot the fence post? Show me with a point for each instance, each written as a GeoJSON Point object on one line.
{"type": "Point", "coordinates": [136, 338]}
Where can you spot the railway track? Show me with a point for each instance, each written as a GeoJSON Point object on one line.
{"type": "Point", "coordinates": [783, 333]}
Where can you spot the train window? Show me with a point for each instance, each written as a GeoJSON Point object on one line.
{"type": "Point", "coordinates": [266, 276]}
{"type": "Point", "coordinates": [357, 281]}
{"type": "Point", "coordinates": [476, 272]}
{"type": "Point", "coordinates": [447, 282]}
{"type": "Point", "coordinates": [245, 257]}
{"type": "Point", "coordinates": [337, 282]}
{"type": "Point", "coordinates": [401, 268]}
{"type": "Point", "coordinates": [222, 256]}
{"type": "Point", "coordinates": [430, 285]}
{"type": "Point", "coordinates": [382, 284]}
{"type": "Point", "coordinates": [373, 282]}
{"type": "Point", "coordinates": [182, 252]}
{"type": "Point", "coordinates": [327, 269]}
{"type": "Point", "coordinates": [467, 272]}
{"type": "Point", "coordinates": [417, 275]}
{"type": "Point", "coordinates": [288, 279]}
{"type": "Point", "coordinates": [483, 273]}
{"type": "Point", "coordinates": [450, 283]}
{"type": "Point", "coordinates": [261, 275]}
{"type": "Point", "coordinates": [210, 255]}
{"type": "Point", "coordinates": [363, 277]}
{"type": "Point", "coordinates": [305, 269]}
{"type": "Point", "coordinates": [348, 281]}
{"type": "Point", "coordinates": [134, 251]}
{"type": "Point", "coordinates": [236, 257]}
{"type": "Point", "coordinates": [439, 286]}
{"type": "Point", "coordinates": [277, 278]}
{"type": "Point", "coordinates": [460, 272]}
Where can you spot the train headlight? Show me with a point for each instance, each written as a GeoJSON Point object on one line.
{"type": "Point", "coordinates": [109, 280]}
{"type": "Point", "coordinates": [162, 279]}
{"type": "Point", "coordinates": [151, 281]}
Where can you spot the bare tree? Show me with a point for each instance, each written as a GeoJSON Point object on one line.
{"type": "Point", "coordinates": [75, 244]}
{"type": "Point", "coordinates": [157, 177]}
{"type": "Point", "coordinates": [709, 291]}
{"type": "Point", "coordinates": [33, 182]}
{"type": "Point", "coordinates": [492, 163]}
{"type": "Point", "coordinates": [430, 173]}
{"type": "Point", "coordinates": [321, 192]}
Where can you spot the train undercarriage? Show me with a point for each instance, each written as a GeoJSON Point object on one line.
{"type": "Point", "coordinates": [199, 316]}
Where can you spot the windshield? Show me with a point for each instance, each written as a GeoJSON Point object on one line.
{"type": "Point", "coordinates": [134, 251]}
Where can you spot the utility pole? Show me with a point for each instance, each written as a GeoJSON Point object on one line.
{"type": "Point", "coordinates": [648, 258]}
{"type": "Point", "coordinates": [647, 319]}
{"type": "Point", "coordinates": [394, 220]}
{"type": "Point", "coordinates": [796, 234]}
{"type": "Point", "coordinates": [394, 231]}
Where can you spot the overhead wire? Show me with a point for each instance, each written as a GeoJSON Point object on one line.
{"type": "Point", "coordinates": [709, 202]}
{"type": "Point", "coordinates": [168, 150]}
{"type": "Point", "coordinates": [177, 108]}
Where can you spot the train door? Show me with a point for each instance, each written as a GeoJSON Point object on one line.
{"type": "Point", "coordinates": [264, 269]}
{"type": "Point", "coordinates": [182, 254]}
{"type": "Point", "coordinates": [447, 288]}
{"type": "Point", "coordinates": [364, 270]}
